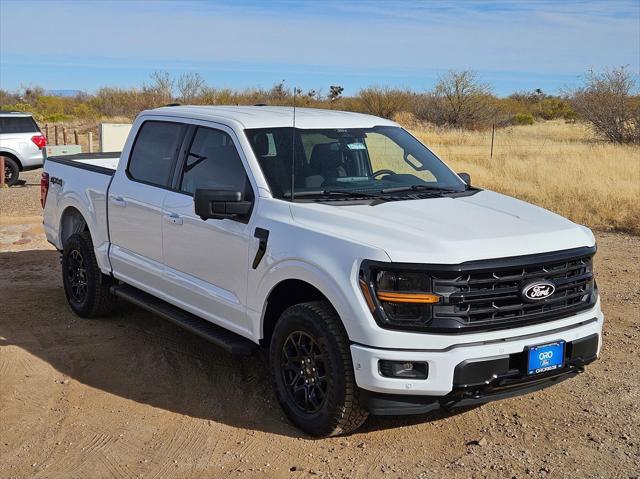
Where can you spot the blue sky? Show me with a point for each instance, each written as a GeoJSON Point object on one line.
{"type": "Point", "coordinates": [517, 45]}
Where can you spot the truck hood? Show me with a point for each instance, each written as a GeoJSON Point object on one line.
{"type": "Point", "coordinates": [447, 230]}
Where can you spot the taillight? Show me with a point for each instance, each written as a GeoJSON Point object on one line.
{"type": "Point", "coordinates": [44, 188]}
{"type": "Point", "coordinates": [39, 140]}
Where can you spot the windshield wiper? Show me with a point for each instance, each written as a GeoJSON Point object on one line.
{"type": "Point", "coordinates": [329, 193]}
{"type": "Point", "coordinates": [435, 189]}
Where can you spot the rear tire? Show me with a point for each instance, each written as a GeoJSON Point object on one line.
{"type": "Point", "coordinates": [312, 371]}
{"type": "Point", "coordinates": [11, 171]}
{"type": "Point", "coordinates": [86, 288]}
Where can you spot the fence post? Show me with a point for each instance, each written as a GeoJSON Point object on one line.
{"type": "Point", "coordinates": [75, 137]}
{"type": "Point", "coordinates": [90, 142]}
{"type": "Point", "coordinates": [64, 135]}
{"type": "Point", "coordinates": [46, 131]}
{"type": "Point", "coordinates": [493, 134]}
{"type": "Point", "coordinates": [2, 183]}
{"type": "Point", "coordinates": [55, 132]}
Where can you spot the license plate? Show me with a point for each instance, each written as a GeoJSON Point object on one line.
{"type": "Point", "coordinates": [545, 357]}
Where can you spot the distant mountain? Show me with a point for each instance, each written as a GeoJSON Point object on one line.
{"type": "Point", "coordinates": [63, 92]}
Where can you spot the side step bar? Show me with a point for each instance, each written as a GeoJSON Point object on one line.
{"type": "Point", "coordinates": [232, 342]}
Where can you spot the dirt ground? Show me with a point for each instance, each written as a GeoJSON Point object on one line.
{"type": "Point", "coordinates": [134, 396]}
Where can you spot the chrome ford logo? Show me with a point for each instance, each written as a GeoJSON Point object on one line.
{"type": "Point", "coordinates": [538, 290]}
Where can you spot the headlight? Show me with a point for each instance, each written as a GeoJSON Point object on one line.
{"type": "Point", "coordinates": [398, 298]}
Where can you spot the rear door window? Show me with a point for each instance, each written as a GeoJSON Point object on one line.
{"type": "Point", "coordinates": [155, 151]}
{"type": "Point", "coordinates": [18, 124]}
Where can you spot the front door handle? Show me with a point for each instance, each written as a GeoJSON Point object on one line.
{"type": "Point", "coordinates": [173, 218]}
{"type": "Point", "coordinates": [118, 201]}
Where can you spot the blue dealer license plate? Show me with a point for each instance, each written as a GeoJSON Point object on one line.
{"type": "Point", "coordinates": [545, 357]}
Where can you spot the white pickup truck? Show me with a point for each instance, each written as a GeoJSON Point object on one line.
{"type": "Point", "coordinates": [380, 281]}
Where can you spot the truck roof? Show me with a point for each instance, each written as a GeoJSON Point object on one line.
{"type": "Point", "coordinates": [274, 116]}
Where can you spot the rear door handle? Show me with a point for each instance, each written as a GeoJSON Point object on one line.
{"type": "Point", "coordinates": [118, 201]}
{"type": "Point", "coordinates": [173, 218]}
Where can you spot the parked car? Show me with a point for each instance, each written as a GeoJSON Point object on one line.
{"type": "Point", "coordinates": [380, 281]}
{"type": "Point", "coordinates": [21, 143]}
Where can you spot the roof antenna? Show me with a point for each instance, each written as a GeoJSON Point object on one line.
{"type": "Point", "coordinates": [293, 147]}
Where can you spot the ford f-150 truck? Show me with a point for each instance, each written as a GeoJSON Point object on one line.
{"type": "Point", "coordinates": [379, 281]}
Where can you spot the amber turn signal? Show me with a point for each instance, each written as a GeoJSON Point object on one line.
{"type": "Point", "coordinates": [367, 295]}
{"type": "Point", "coordinates": [394, 297]}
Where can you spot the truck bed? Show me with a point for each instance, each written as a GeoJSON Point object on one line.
{"type": "Point", "coordinates": [105, 163]}
{"type": "Point", "coordinates": [79, 182]}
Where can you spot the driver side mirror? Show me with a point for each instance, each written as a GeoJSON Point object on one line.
{"type": "Point", "coordinates": [466, 177]}
{"type": "Point", "coordinates": [221, 204]}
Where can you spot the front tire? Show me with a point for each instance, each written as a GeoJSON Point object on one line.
{"type": "Point", "coordinates": [86, 288]}
{"type": "Point", "coordinates": [11, 171]}
{"type": "Point", "coordinates": [312, 371]}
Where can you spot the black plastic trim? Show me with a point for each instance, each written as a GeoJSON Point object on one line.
{"type": "Point", "coordinates": [228, 340]}
{"type": "Point", "coordinates": [263, 235]}
{"type": "Point", "coordinates": [485, 264]}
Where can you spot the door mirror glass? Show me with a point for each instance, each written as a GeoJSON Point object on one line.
{"type": "Point", "coordinates": [221, 204]}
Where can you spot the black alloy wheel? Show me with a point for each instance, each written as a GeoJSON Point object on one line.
{"type": "Point", "coordinates": [312, 370]}
{"type": "Point", "coordinates": [77, 277]}
{"type": "Point", "coordinates": [87, 289]}
{"type": "Point", "coordinates": [304, 372]}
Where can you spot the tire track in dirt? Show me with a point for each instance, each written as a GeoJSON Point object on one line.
{"type": "Point", "coordinates": [143, 394]}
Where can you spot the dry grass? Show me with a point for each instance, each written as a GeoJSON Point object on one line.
{"type": "Point", "coordinates": [555, 165]}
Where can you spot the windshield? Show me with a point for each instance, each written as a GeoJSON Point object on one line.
{"type": "Point", "coordinates": [365, 160]}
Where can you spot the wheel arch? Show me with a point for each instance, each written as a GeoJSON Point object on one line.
{"type": "Point", "coordinates": [72, 221]}
{"type": "Point", "coordinates": [286, 293]}
{"type": "Point", "coordinates": [14, 157]}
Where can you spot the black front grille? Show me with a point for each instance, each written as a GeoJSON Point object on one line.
{"type": "Point", "coordinates": [487, 294]}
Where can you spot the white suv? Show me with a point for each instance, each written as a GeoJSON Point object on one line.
{"type": "Point", "coordinates": [21, 143]}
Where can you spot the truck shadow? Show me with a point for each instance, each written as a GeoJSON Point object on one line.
{"type": "Point", "coordinates": [138, 356]}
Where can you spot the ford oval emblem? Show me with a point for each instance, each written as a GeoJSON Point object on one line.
{"type": "Point", "coordinates": [537, 290]}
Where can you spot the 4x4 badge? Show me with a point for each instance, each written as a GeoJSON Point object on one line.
{"type": "Point", "coordinates": [537, 290]}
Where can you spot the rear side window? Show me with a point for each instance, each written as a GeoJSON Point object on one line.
{"type": "Point", "coordinates": [155, 151]}
{"type": "Point", "coordinates": [18, 124]}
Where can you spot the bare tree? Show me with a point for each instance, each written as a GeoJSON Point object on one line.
{"type": "Point", "coordinates": [189, 86]}
{"type": "Point", "coordinates": [160, 91]}
{"type": "Point", "coordinates": [606, 101]}
{"type": "Point", "coordinates": [460, 99]}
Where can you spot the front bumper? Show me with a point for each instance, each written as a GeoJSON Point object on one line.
{"type": "Point", "coordinates": [462, 374]}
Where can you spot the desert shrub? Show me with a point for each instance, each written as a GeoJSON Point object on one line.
{"type": "Point", "coordinates": [552, 108]}
{"type": "Point", "coordinates": [606, 101]}
{"type": "Point", "coordinates": [18, 107]}
{"type": "Point", "coordinates": [382, 101]}
{"type": "Point", "coordinates": [53, 108]}
{"type": "Point", "coordinates": [85, 112]}
{"type": "Point", "coordinates": [7, 98]}
{"type": "Point", "coordinates": [406, 119]}
{"type": "Point", "coordinates": [111, 102]}
{"type": "Point", "coordinates": [523, 119]}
